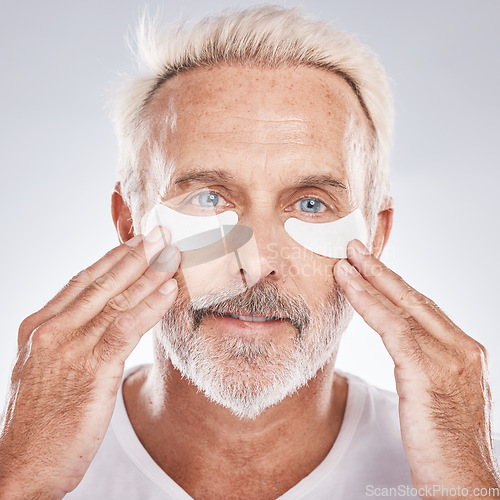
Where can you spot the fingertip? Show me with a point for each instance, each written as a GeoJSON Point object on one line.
{"type": "Point", "coordinates": [133, 242]}
{"type": "Point", "coordinates": [357, 247]}
{"type": "Point", "coordinates": [169, 287]}
{"type": "Point", "coordinates": [339, 268]}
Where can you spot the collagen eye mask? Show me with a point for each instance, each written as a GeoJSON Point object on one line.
{"type": "Point", "coordinates": [328, 238]}
{"type": "Point", "coordinates": [191, 232]}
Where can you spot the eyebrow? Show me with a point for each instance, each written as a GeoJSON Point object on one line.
{"type": "Point", "coordinates": [217, 175]}
{"type": "Point", "coordinates": [317, 180]}
{"type": "Point", "coordinates": [209, 176]}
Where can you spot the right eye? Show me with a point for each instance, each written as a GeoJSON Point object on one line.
{"type": "Point", "coordinates": [206, 199]}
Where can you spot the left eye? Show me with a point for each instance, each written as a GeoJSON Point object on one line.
{"type": "Point", "coordinates": [207, 199]}
{"type": "Point", "coordinates": [311, 205]}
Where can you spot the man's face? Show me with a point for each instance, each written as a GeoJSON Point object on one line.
{"type": "Point", "coordinates": [262, 132]}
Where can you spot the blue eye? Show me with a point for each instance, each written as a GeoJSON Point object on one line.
{"type": "Point", "coordinates": [207, 199]}
{"type": "Point", "coordinates": [310, 205]}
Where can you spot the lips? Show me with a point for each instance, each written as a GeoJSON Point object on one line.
{"type": "Point", "coordinates": [247, 316]}
{"type": "Point", "coordinates": [258, 319]}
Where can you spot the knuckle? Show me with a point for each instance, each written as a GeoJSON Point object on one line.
{"type": "Point", "coordinates": [482, 349]}
{"type": "Point", "coordinates": [94, 328]}
{"type": "Point", "coordinates": [82, 279]}
{"type": "Point", "coordinates": [137, 254]}
{"type": "Point", "coordinates": [411, 297]}
{"type": "Point", "coordinates": [27, 324]}
{"type": "Point", "coordinates": [49, 334]}
{"type": "Point", "coordinates": [456, 365]}
{"type": "Point", "coordinates": [119, 303]}
{"type": "Point", "coordinates": [477, 353]}
{"type": "Point", "coordinates": [148, 280]}
{"type": "Point", "coordinates": [106, 283]}
{"type": "Point", "coordinates": [123, 323]}
{"type": "Point", "coordinates": [42, 337]}
{"type": "Point", "coordinates": [375, 270]}
{"type": "Point", "coordinates": [112, 251]}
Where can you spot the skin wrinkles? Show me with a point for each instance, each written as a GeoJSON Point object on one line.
{"type": "Point", "coordinates": [245, 413]}
{"type": "Point", "coordinates": [279, 137]}
{"type": "Point", "coordinates": [195, 179]}
{"type": "Point", "coordinates": [285, 131]}
{"type": "Point", "coordinates": [264, 128]}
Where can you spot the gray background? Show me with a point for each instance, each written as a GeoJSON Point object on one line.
{"type": "Point", "coordinates": [59, 60]}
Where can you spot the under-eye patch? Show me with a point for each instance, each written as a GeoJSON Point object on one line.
{"type": "Point", "coordinates": [328, 238]}
{"type": "Point", "coordinates": [191, 232]}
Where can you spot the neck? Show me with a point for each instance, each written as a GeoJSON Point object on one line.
{"type": "Point", "coordinates": [204, 447]}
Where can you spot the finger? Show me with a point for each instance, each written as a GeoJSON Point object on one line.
{"type": "Point", "coordinates": [74, 287]}
{"type": "Point", "coordinates": [426, 342]}
{"type": "Point", "coordinates": [400, 293]}
{"type": "Point", "coordinates": [124, 273]}
{"type": "Point", "coordinates": [393, 329]}
{"type": "Point", "coordinates": [127, 329]}
{"type": "Point", "coordinates": [165, 267]}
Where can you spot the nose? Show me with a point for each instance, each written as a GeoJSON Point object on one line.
{"type": "Point", "coordinates": [259, 258]}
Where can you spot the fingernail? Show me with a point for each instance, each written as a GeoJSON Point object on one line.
{"type": "Point", "coordinates": [168, 287]}
{"type": "Point", "coordinates": [167, 254]}
{"type": "Point", "coordinates": [359, 247]}
{"type": "Point", "coordinates": [167, 261]}
{"type": "Point", "coordinates": [154, 235]}
{"type": "Point", "coordinates": [133, 242]}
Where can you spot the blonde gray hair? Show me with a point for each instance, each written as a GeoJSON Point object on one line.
{"type": "Point", "coordinates": [268, 36]}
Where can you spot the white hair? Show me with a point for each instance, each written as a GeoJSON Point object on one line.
{"type": "Point", "coordinates": [249, 375]}
{"type": "Point", "coordinates": [268, 36]}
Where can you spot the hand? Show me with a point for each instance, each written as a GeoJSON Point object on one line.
{"type": "Point", "coordinates": [440, 372]}
{"type": "Point", "coordinates": [70, 365]}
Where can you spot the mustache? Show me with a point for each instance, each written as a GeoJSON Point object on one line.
{"type": "Point", "coordinates": [262, 299]}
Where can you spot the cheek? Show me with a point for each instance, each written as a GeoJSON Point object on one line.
{"type": "Point", "coordinates": [310, 275]}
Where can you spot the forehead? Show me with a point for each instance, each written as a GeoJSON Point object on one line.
{"type": "Point", "coordinates": [251, 111]}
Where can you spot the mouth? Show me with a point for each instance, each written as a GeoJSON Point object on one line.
{"type": "Point", "coordinates": [245, 322]}
{"type": "Point", "coordinates": [257, 319]}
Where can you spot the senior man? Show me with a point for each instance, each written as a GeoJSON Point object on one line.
{"type": "Point", "coordinates": [266, 117]}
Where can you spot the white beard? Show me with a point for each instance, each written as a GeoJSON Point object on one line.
{"type": "Point", "coordinates": [249, 375]}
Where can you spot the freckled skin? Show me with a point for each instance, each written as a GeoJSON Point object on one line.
{"type": "Point", "coordinates": [263, 126]}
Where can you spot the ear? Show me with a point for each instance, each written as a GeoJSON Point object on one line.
{"type": "Point", "coordinates": [384, 226]}
{"type": "Point", "coordinates": [122, 218]}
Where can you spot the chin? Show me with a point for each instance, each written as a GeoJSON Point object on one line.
{"type": "Point", "coordinates": [247, 376]}
{"type": "Point", "coordinates": [249, 370]}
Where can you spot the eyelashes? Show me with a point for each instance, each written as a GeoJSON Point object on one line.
{"type": "Point", "coordinates": [219, 202]}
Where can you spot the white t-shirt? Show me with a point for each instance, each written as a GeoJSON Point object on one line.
{"type": "Point", "coordinates": [367, 457]}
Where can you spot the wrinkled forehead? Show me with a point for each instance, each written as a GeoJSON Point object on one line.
{"type": "Point", "coordinates": [300, 105]}
{"type": "Point", "coordinates": [285, 119]}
